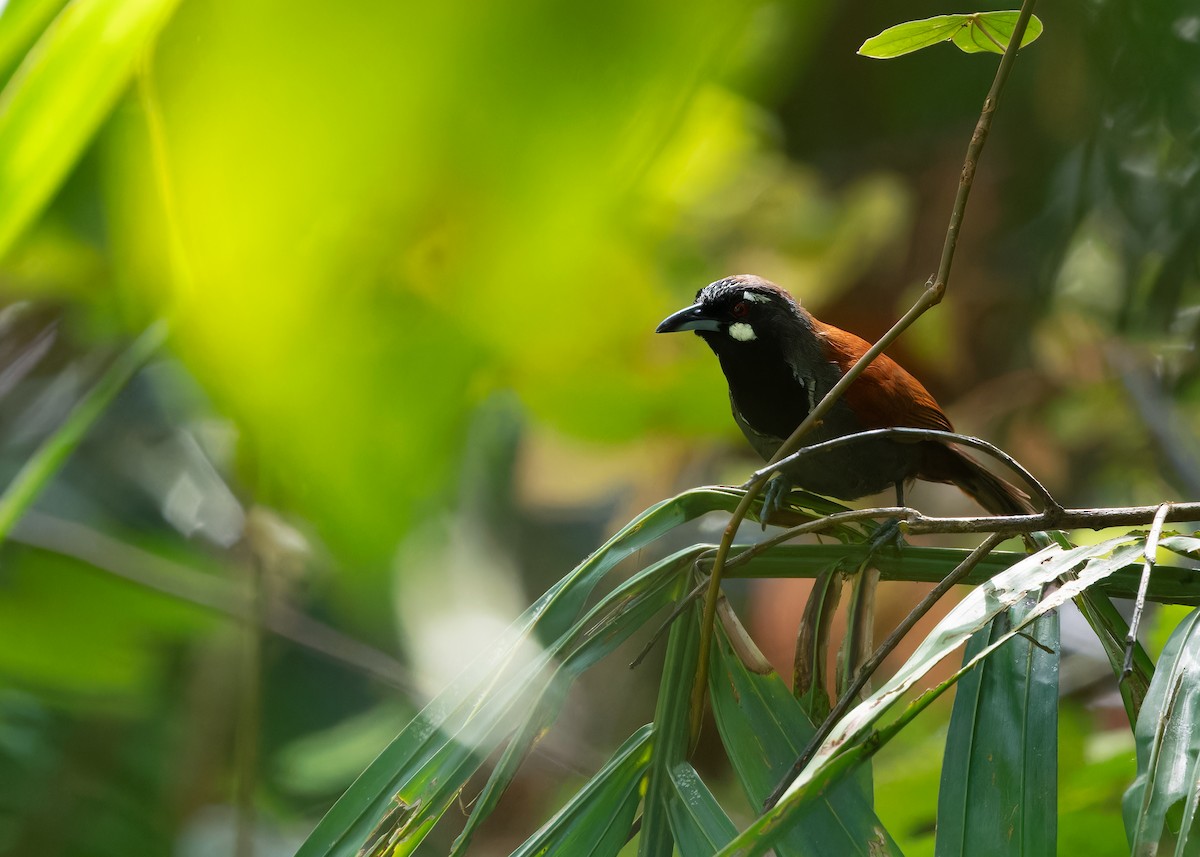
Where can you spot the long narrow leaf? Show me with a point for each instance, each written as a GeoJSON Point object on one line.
{"type": "Point", "coordinates": [659, 810]}
{"type": "Point", "coordinates": [998, 792]}
{"type": "Point", "coordinates": [851, 741]}
{"type": "Point", "coordinates": [20, 25]}
{"type": "Point", "coordinates": [635, 606]}
{"type": "Point", "coordinates": [596, 822]}
{"type": "Point", "coordinates": [435, 754]}
{"type": "Point", "coordinates": [764, 728]}
{"type": "Point", "coordinates": [1168, 584]}
{"type": "Point", "coordinates": [698, 823]}
{"type": "Point", "coordinates": [1160, 806]}
{"type": "Point", "coordinates": [49, 458]}
{"type": "Point", "coordinates": [57, 99]}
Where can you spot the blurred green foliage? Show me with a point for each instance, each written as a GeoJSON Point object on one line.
{"type": "Point", "coordinates": [367, 224]}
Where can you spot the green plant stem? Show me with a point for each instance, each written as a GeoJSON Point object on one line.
{"type": "Point", "coordinates": [872, 663]}
{"type": "Point", "coordinates": [935, 289]}
{"type": "Point", "coordinates": [49, 458]}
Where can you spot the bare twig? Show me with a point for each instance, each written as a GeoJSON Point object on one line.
{"type": "Point", "coordinates": [872, 663]}
{"type": "Point", "coordinates": [914, 435]}
{"type": "Point", "coordinates": [176, 580]}
{"type": "Point", "coordinates": [1150, 555]}
{"type": "Point", "coordinates": [935, 289]}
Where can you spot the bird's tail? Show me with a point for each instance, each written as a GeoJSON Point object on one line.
{"type": "Point", "coordinates": [945, 463]}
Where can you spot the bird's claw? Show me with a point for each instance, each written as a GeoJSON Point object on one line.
{"type": "Point", "coordinates": [887, 536]}
{"type": "Point", "coordinates": [774, 497]}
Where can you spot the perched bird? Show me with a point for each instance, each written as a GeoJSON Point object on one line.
{"type": "Point", "coordinates": [779, 361]}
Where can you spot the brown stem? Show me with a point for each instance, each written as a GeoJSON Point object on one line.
{"type": "Point", "coordinates": [872, 663]}
{"type": "Point", "coordinates": [931, 297]}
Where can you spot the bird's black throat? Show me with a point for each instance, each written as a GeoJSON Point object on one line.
{"type": "Point", "coordinates": [763, 386]}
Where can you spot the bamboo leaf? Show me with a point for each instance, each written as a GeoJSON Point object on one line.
{"type": "Point", "coordinates": [659, 822]}
{"type": "Point", "coordinates": [35, 474]}
{"type": "Point", "coordinates": [637, 600]}
{"type": "Point", "coordinates": [852, 741]}
{"type": "Point", "coordinates": [427, 763]}
{"type": "Point", "coordinates": [1168, 584]}
{"type": "Point", "coordinates": [812, 646]}
{"type": "Point", "coordinates": [971, 33]}
{"type": "Point", "coordinates": [1160, 806]}
{"type": "Point", "coordinates": [57, 99]}
{"type": "Point", "coordinates": [20, 25]}
{"type": "Point", "coordinates": [998, 792]}
{"type": "Point", "coordinates": [1112, 630]}
{"type": "Point", "coordinates": [597, 820]}
{"type": "Point", "coordinates": [698, 823]}
{"type": "Point", "coordinates": [764, 728]}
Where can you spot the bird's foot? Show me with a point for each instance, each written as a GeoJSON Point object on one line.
{"type": "Point", "coordinates": [887, 537]}
{"type": "Point", "coordinates": [774, 498]}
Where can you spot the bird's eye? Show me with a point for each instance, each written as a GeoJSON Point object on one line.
{"type": "Point", "coordinates": [741, 309]}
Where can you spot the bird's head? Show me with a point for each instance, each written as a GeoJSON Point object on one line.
{"type": "Point", "coordinates": [739, 310]}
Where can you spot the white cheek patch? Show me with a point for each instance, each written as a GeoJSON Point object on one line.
{"type": "Point", "coordinates": [755, 298]}
{"type": "Point", "coordinates": [741, 331]}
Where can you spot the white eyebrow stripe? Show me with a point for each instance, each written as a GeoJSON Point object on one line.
{"type": "Point", "coordinates": [756, 298]}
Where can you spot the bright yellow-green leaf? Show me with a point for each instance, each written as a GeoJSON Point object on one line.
{"type": "Point", "coordinates": [972, 33]}
{"type": "Point", "coordinates": [56, 100]}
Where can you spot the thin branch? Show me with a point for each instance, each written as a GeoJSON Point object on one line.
{"type": "Point", "coordinates": [872, 663]}
{"type": "Point", "coordinates": [915, 523]}
{"type": "Point", "coordinates": [1149, 554]}
{"type": "Point", "coordinates": [159, 574]}
{"type": "Point", "coordinates": [935, 289]}
{"type": "Point", "coordinates": [914, 435]}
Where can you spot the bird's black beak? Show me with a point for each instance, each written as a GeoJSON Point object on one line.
{"type": "Point", "coordinates": [694, 317]}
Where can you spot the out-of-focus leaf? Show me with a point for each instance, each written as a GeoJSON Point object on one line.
{"type": "Point", "coordinates": [633, 604]}
{"type": "Point", "coordinates": [418, 774]}
{"type": "Point", "coordinates": [597, 821]}
{"type": "Point", "coordinates": [764, 729]}
{"type": "Point", "coordinates": [71, 629]}
{"type": "Point", "coordinates": [999, 787]}
{"type": "Point", "coordinates": [698, 823]}
{"type": "Point", "coordinates": [1160, 806]}
{"type": "Point", "coordinates": [21, 22]}
{"type": "Point", "coordinates": [55, 102]}
{"type": "Point", "coordinates": [40, 468]}
{"type": "Point", "coordinates": [850, 743]}
{"type": "Point", "coordinates": [973, 33]}
{"type": "Point", "coordinates": [659, 833]}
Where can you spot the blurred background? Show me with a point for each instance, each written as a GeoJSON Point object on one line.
{"type": "Point", "coordinates": [412, 257]}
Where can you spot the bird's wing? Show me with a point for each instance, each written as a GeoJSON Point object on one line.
{"type": "Point", "coordinates": [885, 395]}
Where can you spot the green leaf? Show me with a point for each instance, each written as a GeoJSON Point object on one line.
{"type": "Point", "coordinates": [972, 33]}
{"type": "Point", "coordinates": [1168, 584]}
{"type": "Point", "coordinates": [597, 820]}
{"type": "Point", "coordinates": [418, 774]}
{"type": "Point", "coordinates": [659, 822]}
{"type": "Point", "coordinates": [35, 474]}
{"type": "Point", "coordinates": [636, 601]}
{"type": "Point", "coordinates": [812, 645]}
{"type": "Point", "coordinates": [57, 99]}
{"type": "Point", "coordinates": [852, 740]}
{"type": "Point", "coordinates": [990, 32]}
{"type": "Point", "coordinates": [20, 24]}
{"type": "Point", "coordinates": [698, 823]}
{"type": "Point", "coordinates": [764, 729]}
{"type": "Point", "coordinates": [998, 792]}
{"type": "Point", "coordinates": [1112, 630]}
{"type": "Point", "coordinates": [1160, 806]}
